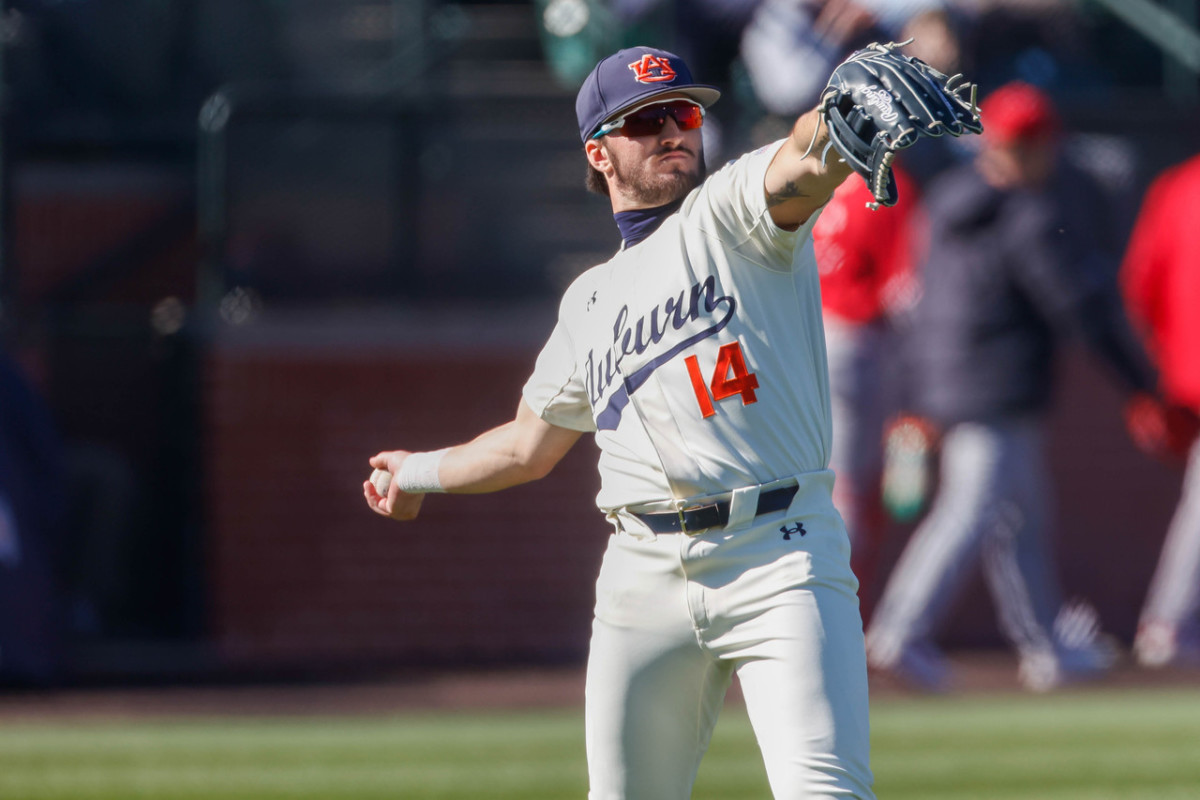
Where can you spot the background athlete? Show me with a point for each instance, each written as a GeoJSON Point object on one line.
{"type": "Point", "coordinates": [1017, 259]}
{"type": "Point", "coordinates": [696, 357]}
{"type": "Point", "coordinates": [866, 260]}
{"type": "Point", "coordinates": [1161, 280]}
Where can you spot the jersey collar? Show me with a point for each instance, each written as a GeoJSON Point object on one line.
{"type": "Point", "coordinates": [638, 224]}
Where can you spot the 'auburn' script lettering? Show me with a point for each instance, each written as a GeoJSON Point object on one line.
{"type": "Point", "coordinates": [632, 337]}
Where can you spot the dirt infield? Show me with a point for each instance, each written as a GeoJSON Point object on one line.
{"type": "Point", "coordinates": [417, 691]}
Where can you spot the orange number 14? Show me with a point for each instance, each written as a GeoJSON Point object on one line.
{"type": "Point", "coordinates": [729, 378]}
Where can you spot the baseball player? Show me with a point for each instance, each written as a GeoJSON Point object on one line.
{"type": "Point", "coordinates": [695, 356]}
{"type": "Point", "coordinates": [1161, 281]}
{"type": "Point", "coordinates": [1017, 260]}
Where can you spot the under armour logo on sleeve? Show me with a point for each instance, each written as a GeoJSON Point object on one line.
{"type": "Point", "coordinates": [787, 532]}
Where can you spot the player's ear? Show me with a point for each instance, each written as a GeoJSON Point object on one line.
{"type": "Point", "coordinates": [597, 156]}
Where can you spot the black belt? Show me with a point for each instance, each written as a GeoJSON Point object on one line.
{"type": "Point", "coordinates": [716, 515]}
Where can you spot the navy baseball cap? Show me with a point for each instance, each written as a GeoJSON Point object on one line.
{"type": "Point", "coordinates": [629, 77]}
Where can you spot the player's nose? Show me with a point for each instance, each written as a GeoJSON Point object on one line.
{"type": "Point", "coordinates": [670, 130]}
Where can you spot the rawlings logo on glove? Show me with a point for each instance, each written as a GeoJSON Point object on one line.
{"type": "Point", "coordinates": [878, 97]}
{"type": "Point", "coordinates": [879, 101]}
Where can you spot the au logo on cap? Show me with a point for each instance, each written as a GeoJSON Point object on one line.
{"type": "Point", "coordinates": [652, 69]}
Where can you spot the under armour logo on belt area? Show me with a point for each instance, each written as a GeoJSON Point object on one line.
{"type": "Point", "coordinates": [787, 532]}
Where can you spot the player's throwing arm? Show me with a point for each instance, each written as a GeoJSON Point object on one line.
{"type": "Point", "coordinates": [517, 452]}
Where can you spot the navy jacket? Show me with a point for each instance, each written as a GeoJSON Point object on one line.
{"type": "Point", "coordinates": [1006, 275]}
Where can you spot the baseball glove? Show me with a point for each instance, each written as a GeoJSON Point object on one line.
{"type": "Point", "coordinates": [879, 101]}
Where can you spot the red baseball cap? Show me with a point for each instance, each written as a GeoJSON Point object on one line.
{"type": "Point", "coordinates": [1019, 111]}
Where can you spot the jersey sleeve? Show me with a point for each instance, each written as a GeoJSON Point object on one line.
{"type": "Point", "coordinates": [556, 390]}
{"type": "Point", "coordinates": [732, 206]}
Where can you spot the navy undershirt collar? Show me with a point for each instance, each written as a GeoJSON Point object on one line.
{"type": "Point", "coordinates": [638, 224]}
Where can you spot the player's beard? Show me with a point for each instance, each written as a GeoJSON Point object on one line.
{"type": "Point", "coordinates": [650, 189]}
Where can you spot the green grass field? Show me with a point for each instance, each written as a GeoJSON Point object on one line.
{"type": "Point", "coordinates": [1116, 745]}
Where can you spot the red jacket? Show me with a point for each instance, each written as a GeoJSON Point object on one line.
{"type": "Point", "coordinates": [866, 257]}
{"type": "Point", "coordinates": [1161, 279]}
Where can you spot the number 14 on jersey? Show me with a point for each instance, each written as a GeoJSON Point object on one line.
{"type": "Point", "coordinates": [729, 378]}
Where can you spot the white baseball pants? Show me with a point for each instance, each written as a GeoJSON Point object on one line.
{"type": "Point", "coordinates": [677, 616]}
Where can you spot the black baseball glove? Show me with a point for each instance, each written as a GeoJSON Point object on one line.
{"type": "Point", "coordinates": [879, 101]}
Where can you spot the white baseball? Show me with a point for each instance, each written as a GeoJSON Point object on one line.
{"type": "Point", "coordinates": [381, 479]}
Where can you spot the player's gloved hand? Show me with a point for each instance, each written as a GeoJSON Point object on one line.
{"type": "Point", "coordinates": [1162, 429]}
{"type": "Point", "coordinates": [879, 101]}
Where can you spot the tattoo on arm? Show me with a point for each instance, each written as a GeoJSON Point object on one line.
{"type": "Point", "coordinates": [789, 191]}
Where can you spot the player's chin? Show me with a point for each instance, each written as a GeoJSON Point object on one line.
{"type": "Point", "coordinates": [677, 181]}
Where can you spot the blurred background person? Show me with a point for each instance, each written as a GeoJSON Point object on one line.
{"type": "Point", "coordinates": [1161, 280]}
{"type": "Point", "coordinates": [32, 613]}
{"type": "Point", "coordinates": [937, 37]}
{"type": "Point", "coordinates": [865, 260]}
{"type": "Point", "coordinates": [1016, 257]}
{"type": "Point", "coordinates": [789, 45]}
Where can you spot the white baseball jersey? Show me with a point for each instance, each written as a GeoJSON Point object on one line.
{"type": "Point", "coordinates": [681, 366]}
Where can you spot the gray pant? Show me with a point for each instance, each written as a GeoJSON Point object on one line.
{"type": "Point", "coordinates": [861, 387]}
{"type": "Point", "coordinates": [992, 504]}
{"type": "Point", "coordinates": [862, 391]}
{"type": "Point", "coordinates": [1174, 596]}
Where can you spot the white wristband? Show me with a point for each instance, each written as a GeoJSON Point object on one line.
{"type": "Point", "coordinates": [419, 472]}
